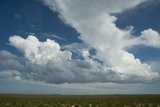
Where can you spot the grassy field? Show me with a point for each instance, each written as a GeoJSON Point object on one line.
{"type": "Point", "coordinates": [80, 101]}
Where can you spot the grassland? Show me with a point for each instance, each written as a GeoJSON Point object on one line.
{"type": "Point", "coordinates": [80, 101]}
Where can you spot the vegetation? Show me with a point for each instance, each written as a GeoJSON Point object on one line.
{"type": "Point", "coordinates": [80, 101]}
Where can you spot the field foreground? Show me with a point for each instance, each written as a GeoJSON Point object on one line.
{"type": "Point", "coordinates": [80, 101]}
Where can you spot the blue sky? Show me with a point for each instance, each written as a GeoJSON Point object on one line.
{"type": "Point", "coordinates": [49, 46]}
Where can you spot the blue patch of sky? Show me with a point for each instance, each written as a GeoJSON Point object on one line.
{"type": "Point", "coordinates": [146, 15]}
{"type": "Point", "coordinates": [24, 17]}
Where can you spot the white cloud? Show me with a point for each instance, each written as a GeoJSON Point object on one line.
{"type": "Point", "coordinates": [6, 54]}
{"type": "Point", "coordinates": [85, 54]}
{"type": "Point", "coordinates": [39, 52]}
{"type": "Point", "coordinates": [47, 63]}
{"type": "Point", "coordinates": [78, 48]}
{"type": "Point", "coordinates": [92, 19]}
{"type": "Point", "coordinates": [10, 74]}
{"type": "Point", "coordinates": [148, 37]}
{"type": "Point", "coordinates": [53, 36]}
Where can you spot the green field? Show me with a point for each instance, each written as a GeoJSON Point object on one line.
{"type": "Point", "coordinates": [80, 101]}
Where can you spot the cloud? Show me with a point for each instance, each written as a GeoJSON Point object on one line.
{"type": "Point", "coordinates": [34, 87]}
{"type": "Point", "coordinates": [77, 48]}
{"type": "Point", "coordinates": [18, 16]}
{"type": "Point", "coordinates": [98, 30]}
{"type": "Point", "coordinates": [45, 62]}
{"type": "Point", "coordinates": [53, 36]}
{"type": "Point", "coordinates": [154, 65]}
{"type": "Point", "coordinates": [48, 62]}
{"type": "Point", "coordinates": [39, 52]}
{"type": "Point", "coordinates": [148, 37]}
{"type": "Point", "coordinates": [10, 74]}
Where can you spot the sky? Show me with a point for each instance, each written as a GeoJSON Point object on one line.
{"type": "Point", "coordinates": [80, 47]}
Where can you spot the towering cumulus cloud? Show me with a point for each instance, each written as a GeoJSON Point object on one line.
{"type": "Point", "coordinates": [39, 52]}
{"type": "Point", "coordinates": [94, 21]}
{"type": "Point", "coordinates": [45, 61]}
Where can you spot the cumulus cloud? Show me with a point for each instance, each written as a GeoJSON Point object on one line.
{"type": "Point", "coordinates": [45, 61]}
{"type": "Point", "coordinates": [11, 74]}
{"type": "Point", "coordinates": [39, 52]}
{"type": "Point", "coordinates": [97, 28]}
{"type": "Point", "coordinates": [148, 37]}
{"type": "Point", "coordinates": [78, 48]}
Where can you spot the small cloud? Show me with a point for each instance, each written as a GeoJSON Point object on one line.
{"type": "Point", "coordinates": [77, 47]}
{"type": "Point", "coordinates": [53, 36]}
{"type": "Point", "coordinates": [85, 53]}
{"type": "Point", "coordinates": [9, 74]}
{"type": "Point", "coordinates": [18, 16]}
{"type": "Point", "coordinates": [18, 78]}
